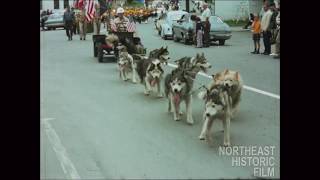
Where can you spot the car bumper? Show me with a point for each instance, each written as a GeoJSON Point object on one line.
{"type": "Point", "coordinates": [55, 25]}
{"type": "Point", "coordinates": [220, 36]}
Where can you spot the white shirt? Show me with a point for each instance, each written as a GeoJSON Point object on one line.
{"type": "Point", "coordinates": [265, 21]}
{"type": "Point", "coordinates": [206, 13]}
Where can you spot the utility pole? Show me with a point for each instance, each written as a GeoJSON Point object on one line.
{"type": "Point", "coordinates": [187, 5]}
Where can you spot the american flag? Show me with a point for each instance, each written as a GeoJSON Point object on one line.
{"type": "Point", "coordinates": [113, 26]}
{"type": "Point", "coordinates": [90, 10]}
{"type": "Point", "coordinates": [131, 26]}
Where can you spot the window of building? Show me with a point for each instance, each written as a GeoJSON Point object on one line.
{"type": "Point", "coordinates": [65, 3]}
{"type": "Point", "coordinates": [56, 4]}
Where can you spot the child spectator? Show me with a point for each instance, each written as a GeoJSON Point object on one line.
{"type": "Point", "coordinates": [256, 30]}
{"type": "Point", "coordinates": [199, 32]}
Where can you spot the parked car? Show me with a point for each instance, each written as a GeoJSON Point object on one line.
{"type": "Point", "coordinates": [184, 29]}
{"type": "Point", "coordinates": [164, 24]}
{"type": "Point", "coordinates": [54, 21]}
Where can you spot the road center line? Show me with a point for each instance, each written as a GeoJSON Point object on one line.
{"type": "Point", "coordinates": [66, 164]}
{"type": "Point", "coordinates": [245, 87]}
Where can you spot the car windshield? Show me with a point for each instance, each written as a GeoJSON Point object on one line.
{"type": "Point", "coordinates": [175, 16]}
{"type": "Point", "coordinates": [216, 19]}
{"type": "Point", "coordinates": [55, 16]}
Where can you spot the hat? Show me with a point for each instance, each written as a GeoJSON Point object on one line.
{"type": "Point", "coordinates": [120, 10]}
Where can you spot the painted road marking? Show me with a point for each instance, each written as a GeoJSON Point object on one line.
{"type": "Point", "coordinates": [245, 87]}
{"type": "Point", "coordinates": [66, 164]}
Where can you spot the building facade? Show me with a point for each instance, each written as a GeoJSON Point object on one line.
{"type": "Point", "coordinates": [55, 4]}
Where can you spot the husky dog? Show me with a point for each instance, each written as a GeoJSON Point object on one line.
{"type": "Point", "coordinates": [162, 54]}
{"type": "Point", "coordinates": [125, 63]}
{"type": "Point", "coordinates": [194, 64]}
{"type": "Point", "coordinates": [150, 73]}
{"type": "Point", "coordinates": [178, 86]}
{"type": "Point", "coordinates": [232, 81]}
{"type": "Point", "coordinates": [218, 105]}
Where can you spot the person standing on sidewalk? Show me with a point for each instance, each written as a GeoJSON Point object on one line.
{"type": "Point", "coordinates": [199, 32]}
{"type": "Point", "coordinates": [82, 25]}
{"type": "Point", "coordinates": [266, 31]}
{"type": "Point", "coordinates": [68, 18]}
{"type": "Point", "coordinates": [206, 33]}
{"type": "Point", "coordinates": [206, 12]}
{"type": "Point", "coordinates": [256, 30]}
{"type": "Point", "coordinates": [277, 54]}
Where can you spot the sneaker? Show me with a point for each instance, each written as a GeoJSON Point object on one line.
{"type": "Point", "coordinates": [265, 53]}
{"type": "Point", "coordinates": [80, 38]}
{"type": "Point", "coordinates": [273, 54]}
{"type": "Point", "coordinates": [254, 52]}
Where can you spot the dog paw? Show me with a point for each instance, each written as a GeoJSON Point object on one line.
{"type": "Point", "coordinates": [177, 119]}
{"type": "Point", "coordinates": [190, 121]}
{"type": "Point", "coordinates": [226, 144]}
{"type": "Point", "coordinates": [160, 96]}
{"type": "Point", "coordinates": [180, 113]}
{"type": "Point", "coordinates": [202, 137]}
{"type": "Point", "coordinates": [147, 93]}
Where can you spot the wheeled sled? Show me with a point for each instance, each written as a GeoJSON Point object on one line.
{"type": "Point", "coordinates": [101, 49]}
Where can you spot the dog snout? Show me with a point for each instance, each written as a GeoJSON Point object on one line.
{"type": "Point", "coordinates": [207, 114]}
{"type": "Point", "coordinates": [227, 84]}
{"type": "Point", "coordinates": [175, 90]}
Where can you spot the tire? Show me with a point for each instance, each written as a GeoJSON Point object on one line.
{"type": "Point", "coordinates": [95, 50]}
{"type": "Point", "coordinates": [185, 41]}
{"type": "Point", "coordinates": [175, 39]}
{"type": "Point", "coordinates": [159, 32]}
{"type": "Point", "coordinates": [221, 42]}
{"type": "Point", "coordinates": [163, 36]}
{"type": "Point", "coordinates": [54, 28]}
{"type": "Point", "coordinates": [99, 52]}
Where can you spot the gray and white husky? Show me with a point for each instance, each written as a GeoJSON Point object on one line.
{"type": "Point", "coordinates": [125, 64]}
{"type": "Point", "coordinates": [178, 86]}
{"type": "Point", "coordinates": [218, 105]}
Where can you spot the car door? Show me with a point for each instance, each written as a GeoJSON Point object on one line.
{"type": "Point", "coordinates": [180, 25]}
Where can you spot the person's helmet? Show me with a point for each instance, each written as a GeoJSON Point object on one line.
{"type": "Point", "coordinates": [120, 10]}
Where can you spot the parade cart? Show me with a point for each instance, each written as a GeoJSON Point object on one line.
{"type": "Point", "coordinates": [101, 49]}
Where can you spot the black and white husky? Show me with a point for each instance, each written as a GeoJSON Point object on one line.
{"type": "Point", "coordinates": [178, 86]}
{"type": "Point", "coordinates": [150, 69]}
{"type": "Point", "coordinates": [195, 64]}
{"type": "Point", "coordinates": [150, 73]}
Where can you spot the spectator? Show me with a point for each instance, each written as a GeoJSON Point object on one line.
{"type": "Point", "coordinates": [277, 54]}
{"type": "Point", "coordinates": [251, 18]}
{"type": "Point", "coordinates": [199, 32]}
{"type": "Point", "coordinates": [206, 33]}
{"type": "Point", "coordinates": [74, 24]}
{"type": "Point", "coordinates": [206, 12]}
{"type": "Point", "coordinates": [68, 18]}
{"type": "Point", "coordinates": [48, 12]}
{"type": "Point", "coordinates": [256, 30]}
{"type": "Point", "coordinates": [265, 22]}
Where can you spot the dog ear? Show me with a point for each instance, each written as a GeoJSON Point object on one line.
{"type": "Point", "coordinates": [216, 76]}
{"type": "Point", "coordinates": [197, 56]}
{"type": "Point", "coordinates": [237, 76]}
{"type": "Point", "coordinates": [166, 47]}
{"type": "Point", "coordinates": [202, 54]}
{"type": "Point", "coordinates": [226, 71]}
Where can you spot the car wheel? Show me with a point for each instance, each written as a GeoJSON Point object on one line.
{"type": "Point", "coordinates": [175, 39]}
{"type": "Point", "coordinates": [54, 28]}
{"type": "Point", "coordinates": [159, 32]}
{"type": "Point", "coordinates": [221, 42]}
{"type": "Point", "coordinates": [163, 35]}
{"type": "Point", "coordinates": [185, 40]}
{"type": "Point", "coordinates": [95, 50]}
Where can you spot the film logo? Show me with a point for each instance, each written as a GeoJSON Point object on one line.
{"type": "Point", "coordinates": [261, 158]}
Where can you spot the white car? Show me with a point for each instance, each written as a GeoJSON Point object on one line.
{"type": "Point", "coordinates": [164, 24]}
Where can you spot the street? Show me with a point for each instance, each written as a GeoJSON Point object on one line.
{"type": "Point", "coordinates": [95, 126]}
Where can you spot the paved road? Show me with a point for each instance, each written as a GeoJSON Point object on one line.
{"type": "Point", "coordinates": [105, 128]}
